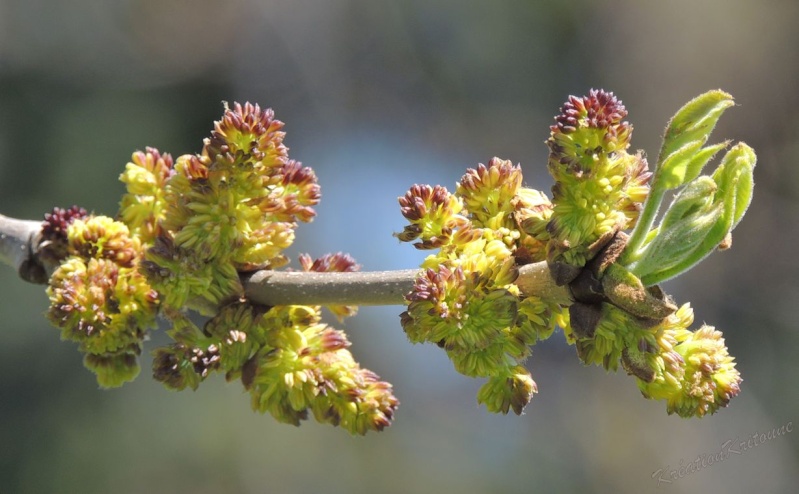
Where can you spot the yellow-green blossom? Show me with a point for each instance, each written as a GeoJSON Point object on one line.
{"type": "Point", "coordinates": [99, 300]}
{"type": "Point", "coordinates": [433, 213]}
{"type": "Point", "coordinates": [232, 208]}
{"type": "Point", "coordinates": [692, 371]}
{"type": "Point", "coordinates": [532, 211]}
{"type": "Point", "coordinates": [488, 192]}
{"type": "Point", "coordinates": [615, 331]}
{"type": "Point", "coordinates": [99, 305]}
{"type": "Point", "coordinates": [599, 187]}
{"type": "Point", "coordinates": [144, 206]}
{"type": "Point", "coordinates": [100, 237]}
{"type": "Point", "coordinates": [510, 390]}
{"type": "Point", "coordinates": [305, 365]}
{"type": "Point", "coordinates": [289, 361]}
{"type": "Point", "coordinates": [465, 300]}
{"type": "Point", "coordinates": [186, 279]}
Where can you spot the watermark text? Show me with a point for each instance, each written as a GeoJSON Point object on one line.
{"type": "Point", "coordinates": [728, 448]}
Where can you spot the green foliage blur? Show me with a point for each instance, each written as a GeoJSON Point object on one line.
{"type": "Point", "coordinates": [378, 96]}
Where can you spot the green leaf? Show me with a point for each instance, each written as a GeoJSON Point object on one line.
{"type": "Point", "coordinates": [688, 222]}
{"type": "Point", "coordinates": [672, 171]}
{"type": "Point", "coordinates": [696, 195]}
{"type": "Point", "coordinates": [700, 217]}
{"type": "Point", "coordinates": [705, 240]}
{"type": "Point", "coordinates": [735, 177]}
{"type": "Point", "coordinates": [694, 121]}
{"type": "Point", "coordinates": [686, 163]}
{"type": "Point", "coordinates": [682, 155]}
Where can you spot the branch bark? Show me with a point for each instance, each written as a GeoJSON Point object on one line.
{"type": "Point", "coordinates": [19, 248]}
{"type": "Point", "coordinates": [372, 287]}
{"type": "Point", "coordinates": [349, 288]}
{"type": "Point", "coordinates": [19, 241]}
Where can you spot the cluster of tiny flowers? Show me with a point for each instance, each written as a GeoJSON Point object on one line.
{"type": "Point", "coordinates": [188, 228]}
{"type": "Point", "coordinates": [690, 370]}
{"type": "Point", "coordinates": [210, 216]}
{"type": "Point", "coordinates": [143, 207]}
{"type": "Point", "coordinates": [599, 187]}
{"type": "Point", "coordinates": [54, 231]}
{"type": "Point", "coordinates": [230, 209]}
{"type": "Point", "coordinates": [598, 192]}
{"type": "Point", "coordinates": [287, 359]}
{"type": "Point", "coordinates": [464, 300]}
{"type": "Point", "coordinates": [97, 297]}
{"type": "Point", "coordinates": [615, 332]}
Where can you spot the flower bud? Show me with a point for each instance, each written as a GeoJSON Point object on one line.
{"type": "Point", "coordinates": [692, 371]}
{"type": "Point", "coordinates": [434, 215]}
{"type": "Point", "coordinates": [598, 187]}
{"type": "Point", "coordinates": [247, 134]}
{"type": "Point", "coordinates": [54, 242]}
{"type": "Point", "coordinates": [100, 237]}
{"type": "Point", "coordinates": [145, 178]}
{"type": "Point", "coordinates": [301, 368]}
{"type": "Point", "coordinates": [512, 390]}
{"type": "Point", "coordinates": [488, 191]}
{"type": "Point", "coordinates": [113, 370]}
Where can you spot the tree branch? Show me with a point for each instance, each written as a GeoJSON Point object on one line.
{"type": "Point", "coordinates": [20, 249]}
{"type": "Point", "coordinates": [348, 288]}
{"type": "Point", "coordinates": [19, 241]}
{"type": "Point", "coordinates": [372, 288]}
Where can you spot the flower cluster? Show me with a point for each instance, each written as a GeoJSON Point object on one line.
{"type": "Point", "coordinates": [233, 208]}
{"type": "Point", "coordinates": [288, 360]}
{"type": "Point", "coordinates": [691, 370]}
{"type": "Point", "coordinates": [599, 187]}
{"type": "Point", "coordinates": [468, 301]}
{"type": "Point", "coordinates": [620, 315]}
{"type": "Point", "coordinates": [465, 300]}
{"type": "Point", "coordinates": [54, 243]}
{"type": "Point", "coordinates": [210, 216]}
{"type": "Point", "coordinates": [144, 204]}
{"type": "Point", "coordinates": [97, 297]}
{"type": "Point", "coordinates": [188, 228]}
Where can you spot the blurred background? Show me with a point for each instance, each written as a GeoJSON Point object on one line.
{"type": "Point", "coordinates": [378, 96]}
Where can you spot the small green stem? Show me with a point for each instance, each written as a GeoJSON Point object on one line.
{"type": "Point", "coordinates": [645, 222]}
